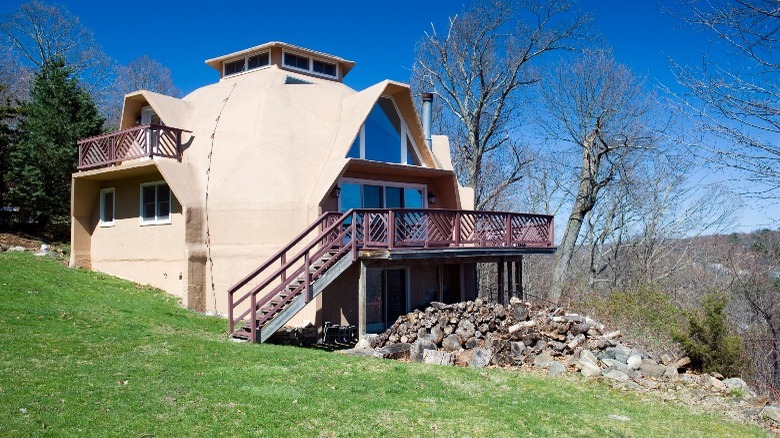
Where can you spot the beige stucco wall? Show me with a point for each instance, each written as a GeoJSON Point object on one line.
{"type": "Point", "coordinates": [259, 163]}
{"type": "Point", "coordinates": [150, 254]}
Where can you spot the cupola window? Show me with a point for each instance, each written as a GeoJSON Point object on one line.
{"type": "Point", "coordinates": [310, 65]}
{"type": "Point", "coordinates": [247, 63]}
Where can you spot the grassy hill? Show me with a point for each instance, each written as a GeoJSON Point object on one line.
{"type": "Point", "coordinates": [87, 354]}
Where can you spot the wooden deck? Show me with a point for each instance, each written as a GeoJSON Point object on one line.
{"type": "Point", "coordinates": [141, 141]}
{"type": "Point", "coordinates": [271, 294]}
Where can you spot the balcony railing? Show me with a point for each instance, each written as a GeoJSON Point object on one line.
{"type": "Point", "coordinates": [140, 141]}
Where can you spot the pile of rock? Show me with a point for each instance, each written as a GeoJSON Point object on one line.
{"type": "Point", "coordinates": [549, 339]}
{"type": "Point", "coordinates": [476, 333]}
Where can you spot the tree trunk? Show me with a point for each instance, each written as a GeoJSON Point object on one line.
{"type": "Point", "coordinates": [583, 203]}
{"type": "Point", "coordinates": [566, 250]}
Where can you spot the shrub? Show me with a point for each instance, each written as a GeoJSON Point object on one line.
{"type": "Point", "coordinates": [708, 342]}
{"type": "Point", "coordinates": [644, 314]}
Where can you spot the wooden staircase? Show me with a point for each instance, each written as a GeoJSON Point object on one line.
{"type": "Point", "coordinates": [299, 278]}
{"type": "Point", "coordinates": [291, 300]}
{"type": "Point", "coordinates": [268, 297]}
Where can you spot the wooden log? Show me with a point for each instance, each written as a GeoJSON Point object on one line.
{"type": "Point", "coordinates": [438, 357]}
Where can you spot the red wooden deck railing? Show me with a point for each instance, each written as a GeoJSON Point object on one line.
{"type": "Point", "coordinates": [309, 255]}
{"type": "Point", "coordinates": [148, 140]}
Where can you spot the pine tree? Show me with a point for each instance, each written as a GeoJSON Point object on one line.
{"type": "Point", "coordinates": [7, 115]}
{"type": "Point", "coordinates": [58, 114]}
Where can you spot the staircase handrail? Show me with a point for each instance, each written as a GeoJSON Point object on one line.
{"type": "Point", "coordinates": [280, 256]}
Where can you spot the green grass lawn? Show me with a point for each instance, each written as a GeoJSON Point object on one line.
{"type": "Point", "coordinates": [83, 353]}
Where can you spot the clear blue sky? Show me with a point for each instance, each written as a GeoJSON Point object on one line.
{"type": "Point", "coordinates": [379, 36]}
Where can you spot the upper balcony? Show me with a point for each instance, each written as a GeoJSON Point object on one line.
{"type": "Point", "coordinates": [142, 141]}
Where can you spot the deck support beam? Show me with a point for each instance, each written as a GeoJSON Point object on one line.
{"type": "Point", "coordinates": [500, 268]}
{"type": "Point", "coordinates": [511, 286]}
{"type": "Point", "coordinates": [519, 278]}
{"type": "Point", "coordinates": [362, 301]}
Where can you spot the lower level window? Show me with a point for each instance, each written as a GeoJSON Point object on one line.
{"type": "Point", "coordinates": [107, 207]}
{"type": "Point", "coordinates": [155, 203]}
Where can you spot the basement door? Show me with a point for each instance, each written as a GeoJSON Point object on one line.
{"type": "Point", "coordinates": [387, 297]}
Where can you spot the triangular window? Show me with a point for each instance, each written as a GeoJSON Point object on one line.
{"type": "Point", "coordinates": [385, 137]}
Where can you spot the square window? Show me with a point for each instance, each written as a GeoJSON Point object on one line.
{"type": "Point", "coordinates": [155, 203]}
{"type": "Point", "coordinates": [107, 207]}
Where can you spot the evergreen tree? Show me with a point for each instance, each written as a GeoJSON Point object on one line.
{"type": "Point", "coordinates": [58, 114]}
{"type": "Point", "coordinates": [7, 115]}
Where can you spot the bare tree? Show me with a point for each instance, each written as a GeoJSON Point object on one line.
{"type": "Point", "coordinates": [756, 293]}
{"type": "Point", "coordinates": [15, 78]}
{"type": "Point", "coordinates": [647, 227]}
{"type": "Point", "coordinates": [479, 68]}
{"type": "Point", "coordinates": [38, 33]}
{"type": "Point", "coordinates": [735, 93]}
{"type": "Point", "coordinates": [603, 112]}
{"type": "Point", "coordinates": [142, 73]}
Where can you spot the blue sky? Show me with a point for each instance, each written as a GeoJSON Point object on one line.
{"type": "Point", "coordinates": [379, 36]}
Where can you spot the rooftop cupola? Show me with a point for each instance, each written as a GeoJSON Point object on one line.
{"type": "Point", "coordinates": [284, 56]}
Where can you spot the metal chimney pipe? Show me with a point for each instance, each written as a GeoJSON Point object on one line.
{"type": "Point", "coordinates": [427, 100]}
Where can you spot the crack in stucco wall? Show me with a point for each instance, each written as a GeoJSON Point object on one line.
{"type": "Point", "coordinates": [206, 206]}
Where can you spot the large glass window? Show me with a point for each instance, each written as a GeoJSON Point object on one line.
{"type": "Point", "coordinates": [394, 197]}
{"type": "Point", "coordinates": [155, 203]}
{"type": "Point", "coordinates": [413, 197]}
{"type": "Point", "coordinates": [358, 194]}
{"type": "Point", "coordinates": [372, 196]}
{"type": "Point", "coordinates": [107, 207]}
{"type": "Point", "coordinates": [383, 133]}
{"type": "Point", "coordinates": [384, 137]}
{"type": "Point", "coordinates": [351, 196]}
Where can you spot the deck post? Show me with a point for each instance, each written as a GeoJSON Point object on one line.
{"type": "Point", "coordinates": [362, 302]}
{"type": "Point", "coordinates": [456, 232]}
{"type": "Point", "coordinates": [500, 268]}
{"type": "Point", "coordinates": [510, 280]}
{"type": "Point", "coordinates": [519, 273]}
{"type": "Point", "coordinates": [390, 229]}
{"type": "Point", "coordinates": [462, 274]}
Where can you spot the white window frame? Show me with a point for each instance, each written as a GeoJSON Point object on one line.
{"type": "Point", "coordinates": [310, 69]}
{"type": "Point", "coordinates": [246, 63]}
{"type": "Point", "coordinates": [383, 184]}
{"type": "Point", "coordinates": [103, 222]}
{"type": "Point", "coordinates": [404, 133]}
{"type": "Point", "coordinates": [156, 220]}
